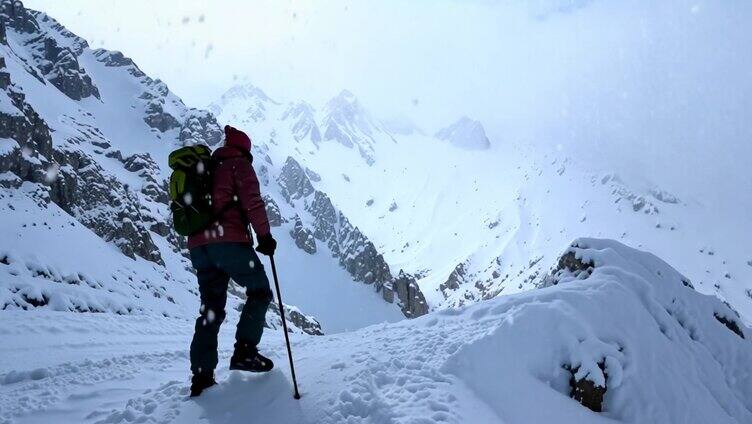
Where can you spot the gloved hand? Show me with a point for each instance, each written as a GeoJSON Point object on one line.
{"type": "Point", "coordinates": [266, 245]}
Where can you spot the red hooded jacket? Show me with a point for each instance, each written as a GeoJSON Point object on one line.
{"type": "Point", "coordinates": [234, 178]}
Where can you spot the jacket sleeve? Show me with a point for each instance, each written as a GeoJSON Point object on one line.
{"type": "Point", "coordinates": [249, 195]}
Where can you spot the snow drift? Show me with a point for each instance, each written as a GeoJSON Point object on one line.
{"type": "Point", "coordinates": [612, 318]}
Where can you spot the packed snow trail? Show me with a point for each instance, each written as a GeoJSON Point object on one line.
{"type": "Point", "coordinates": [618, 317]}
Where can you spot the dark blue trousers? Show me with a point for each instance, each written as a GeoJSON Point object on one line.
{"type": "Point", "coordinates": [215, 265]}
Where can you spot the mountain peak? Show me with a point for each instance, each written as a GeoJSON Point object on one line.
{"type": "Point", "coordinates": [244, 92]}
{"type": "Point", "coordinates": [465, 133]}
{"type": "Point", "coordinates": [344, 103]}
{"type": "Point", "coordinates": [246, 98]}
{"type": "Point", "coordinates": [347, 122]}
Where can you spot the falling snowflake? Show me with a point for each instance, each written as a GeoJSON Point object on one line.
{"type": "Point", "coordinates": [210, 316]}
{"type": "Point", "coordinates": [200, 167]}
{"type": "Point", "coordinates": [187, 198]}
{"type": "Point", "coordinates": [52, 172]}
{"type": "Point", "coordinates": [252, 264]}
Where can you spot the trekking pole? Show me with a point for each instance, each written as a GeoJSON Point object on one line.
{"type": "Point", "coordinates": [284, 327]}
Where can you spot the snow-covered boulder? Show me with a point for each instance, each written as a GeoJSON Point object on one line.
{"type": "Point", "coordinates": [466, 133]}
{"type": "Point", "coordinates": [620, 331]}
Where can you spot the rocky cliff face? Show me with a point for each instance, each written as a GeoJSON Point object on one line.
{"type": "Point", "coordinates": [51, 51]}
{"type": "Point", "coordinates": [355, 252]}
{"type": "Point", "coordinates": [71, 170]}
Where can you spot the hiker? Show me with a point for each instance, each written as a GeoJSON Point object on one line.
{"type": "Point", "coordinates": [224, 250]}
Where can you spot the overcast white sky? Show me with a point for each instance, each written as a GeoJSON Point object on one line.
{"type": "Point", "coordinates": [655, 77]}
{"type": "Point", "coordinates": [434, 59]}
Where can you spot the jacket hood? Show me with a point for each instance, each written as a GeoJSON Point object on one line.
{"type": "Point", "coordinates": [237, 139]}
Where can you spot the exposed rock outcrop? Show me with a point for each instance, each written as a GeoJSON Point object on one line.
{"type": "Point", "coordinates": [157, 117]}
{"type": "Point", "coordinates": [54, 52]}
{"type": "Point", "coordinates": [272, 211]}
{"type": "Point", "coordinates": [294, 316]}
{"type": "Point", "coordinates": [412, 301]}
{"type": "Point", "coordinates": [200, 127]}
{"type": "Point", "coordinates": [303, 237]}
{"type": "Point", "coordinates": [585, 391]}
{"type": "Point", "coordinates": [455, 279]}
{"type": "Point", "coordinates": [294, 181]}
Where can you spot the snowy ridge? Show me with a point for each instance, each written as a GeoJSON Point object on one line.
{"type": "Point", "coordinates": [619, 323]}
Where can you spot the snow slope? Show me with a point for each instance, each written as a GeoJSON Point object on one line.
{"type": "Point", "coordinates": [472, 224]}
{"type": "Point", "coordinates": [618, 317]}
{"type": "Point", "coordinates": [84, 139]}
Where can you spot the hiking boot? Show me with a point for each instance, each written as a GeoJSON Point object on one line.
{"type": "Point", "coordinates": [200, 382]}
{"type": "Point", "coordinates": [247, 358]}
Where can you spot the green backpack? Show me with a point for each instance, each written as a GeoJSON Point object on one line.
{"type": "Point", "coordinates": [190, 189]}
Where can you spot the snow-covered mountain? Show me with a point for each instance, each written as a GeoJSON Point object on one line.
{"type": "Point", "coordinates": [84, 138]}
{"type": "Point", "coordinates": [376, 222]}
{"type": "Point", "coordinates": [469, 225]}
{"type": "Point", "coordinates": [466, 134]}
